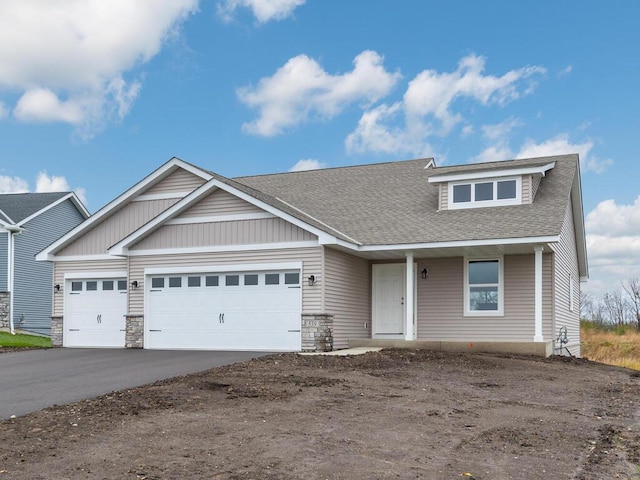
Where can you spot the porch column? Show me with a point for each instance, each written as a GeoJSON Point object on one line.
{"type": "Point", "coordinates": [409, 333]}
{"type": "Point", "coordinates": [538, 294]}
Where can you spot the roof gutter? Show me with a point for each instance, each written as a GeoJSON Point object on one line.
{"type": "Point", "coordinates": [13, 231]}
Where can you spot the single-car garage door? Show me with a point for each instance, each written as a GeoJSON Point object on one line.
{"type": "Point", "coordinates": [95, 312]}
{"type": "Point", "coordinates": [255, 310]}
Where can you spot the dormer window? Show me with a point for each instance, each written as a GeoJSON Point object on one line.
{"type": "Point", "coordinates": [485, 193]}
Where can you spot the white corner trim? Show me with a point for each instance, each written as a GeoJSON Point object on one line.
{"type": "Point", "coordinates": [160, 196]}
{"type": "Point", "coordinates": [503, 172]}
{"type": "Point", "coordinates": [232, 267]}
{"type": "Point", "coordinates": [220, 218]}
{"type": "Point", "coordinates": [95, 274]}
{"type": "Point", "coordinates": [223, 248]}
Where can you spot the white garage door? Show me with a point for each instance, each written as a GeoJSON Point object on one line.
{"type": "Point", "coordinates": [95, 312]}
{"type": "Point", "coordinates": [257, 310]}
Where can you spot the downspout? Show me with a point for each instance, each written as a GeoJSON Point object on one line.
{"type": "Point", "coordinates": [13, 230]}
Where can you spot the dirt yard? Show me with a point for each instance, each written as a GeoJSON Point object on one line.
{"type": "Point", "coordinates": [393, 414]}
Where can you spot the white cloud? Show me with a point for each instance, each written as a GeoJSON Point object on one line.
{"type": "Point", "coordinates": [307, 164]}
{"type": "Point", "coordinates": [4, 111]}
{"type": "Point", "coordinates": [500, 130]}
{"type": "Point", "coordinates": [44, 184]}
{"type": "Point", "coordinates": [263, 10]}
{"type": "Point", "coordinates": [565, 71]}
{"type": "Point", "coordinates": [494, 153]}
{"type": "Point", "coordinates": [13, 185]}
{"type": "Point", "coordinates": [561, 144]}
{"type": "Point", "coordinates": [302, 89]}
{"type": "Point", "coordinates": [428, 105]}
{"type": "Point", "coordinates": [67, 59]}
{"type": "Point", "coordinates": [613, 244]}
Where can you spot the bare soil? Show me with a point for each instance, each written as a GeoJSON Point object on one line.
{"type": "Point", "coordinates": [391, 414]}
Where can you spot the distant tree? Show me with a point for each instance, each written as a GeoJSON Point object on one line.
{"type": "Point", "coordinates": [632, 289]}
{"type": "Point", "coordinates": [616, 307]}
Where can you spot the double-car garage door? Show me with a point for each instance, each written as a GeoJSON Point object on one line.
{"type": "Point", "coordinates": [247, 310]}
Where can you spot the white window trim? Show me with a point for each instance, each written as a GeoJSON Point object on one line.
{"type": "Point", "coordinates": [484, 313]}
{"type": "Point", "coordinates": [485, 203]}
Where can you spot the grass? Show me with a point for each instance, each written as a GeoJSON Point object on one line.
{"type": "Point", "coordinates": [23, 341]}
{"type": "Point", "coordinates": [618, 346]}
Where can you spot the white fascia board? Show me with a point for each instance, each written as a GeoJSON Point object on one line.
{"type": "Point", "coordinates": [222, 248]}
{"type": "Point", "coordinates": [235, 267]}
{"type": "Point", "coordinates": [461, 243]}
{"type": "Point", "coordinates": [506, 172]}
{"type": "Point", "coordinates": [96, 274]}
{"type": "Point", "coordinates": [46, 254]}
{"type": "Point", "coordinates": [578, 223]}
{"type": "Point", "coordinates": [122, 247]}
{"type": "Point", "coordinates": [7, 217]}
{"type": "Point", "coordinates": [80, 258]}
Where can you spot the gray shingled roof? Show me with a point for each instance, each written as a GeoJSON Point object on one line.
{"type": "Point", "coordinates": [393, 203]}
{"type": "Point", "coordinates": [19, 206]}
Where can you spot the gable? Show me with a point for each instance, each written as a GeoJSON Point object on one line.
{"type": "Point", "coordinates": [180, 182]}
{"type": "Point", "coordinates": [101, 236]}
{"type": "Point", "coordinates": [220, 202]}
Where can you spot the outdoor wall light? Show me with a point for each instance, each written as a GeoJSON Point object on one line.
{"type": "Point", "coordinates": [134, 284]}
{"type": "Point", "coordinates": [424, 273]}
{"type": "Point", "coordinates": [312, 280]}
{"type": "Point", "coordinates": [56, 288]}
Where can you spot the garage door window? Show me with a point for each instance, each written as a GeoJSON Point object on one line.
{"type": "Point", "coordinates": [92, 286]}
{"type": "Point", "coordinates": [107, 285]}
{"type": "Point", "coordinates": [251, 279]}
{"type": "Point", "coordinates": [211, 280]}
{"type": "Point", "coordinates": [76, 286]}
{"type": "Point", "coordinates": [157, 282]}
{"type": "Point", "coordinates": [175, 282]}
{"type": "Point", "coordinates": [232, 280]}
{"type": "Point", "coordinates": [193, 281]}
{"type": "Point", "coordinates": [291, 278]}
{"type": "Point", "coordinates": [122, 284]}
{"type": "Point", "coordinates": [272, 279]}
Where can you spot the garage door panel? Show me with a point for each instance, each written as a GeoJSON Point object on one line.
{"type": "Point", "coordinates": [237, 311]}
{"type": "Point", "coordinates": [95, 313]}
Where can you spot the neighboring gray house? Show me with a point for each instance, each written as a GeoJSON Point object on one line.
{"type": "Point", "coordinates": [477, 257]}
{"type": "Point", "coordinates": [28, 223]}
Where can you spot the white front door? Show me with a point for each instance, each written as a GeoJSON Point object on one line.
{"type": "Point", "coordinates": [389, 280]}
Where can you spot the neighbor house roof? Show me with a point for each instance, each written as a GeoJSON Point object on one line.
{"type": "Point", "coordinates": [394, 203]}
{"type": "Point", "coordinates": [17, 208]}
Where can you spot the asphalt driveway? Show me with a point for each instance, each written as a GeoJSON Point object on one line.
{"type": "Point", "coordinates": [36, 379]}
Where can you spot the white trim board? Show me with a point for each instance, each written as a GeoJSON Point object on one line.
{"type": "Point", "coordinates": [224, 248]}
{"type": "Point", "coordinates": [95, 274]}
{"type": "Point", "coordinates": [220, 218]}
{"type": "Point", "coordinates": [234, 267]}
{"type": "Point", "coordinates": [503, 172]}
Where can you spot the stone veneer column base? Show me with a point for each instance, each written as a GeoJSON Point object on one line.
{"type": "Point", "coordinates": [317, 332]}
{"type": "Point", "coordinates": [4, 309]}
{"type": "Point", "coordinates": [56, 330]}
{"type": "Point", "coordinates": [134, 331]}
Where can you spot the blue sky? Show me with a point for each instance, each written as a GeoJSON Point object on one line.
{"type": "Point", "coordinates": [95, 95]}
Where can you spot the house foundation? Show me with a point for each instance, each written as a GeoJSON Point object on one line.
{"type": "Point", "coordinates": [134, 331]}
{"type": "Point", "coordinates": [540, 349]}
{"type": "Point", "coordinates": [56, 330]}
{"type": "Point", "coordinates": [4, 309]}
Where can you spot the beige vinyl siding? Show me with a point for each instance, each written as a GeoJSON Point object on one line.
{"type": "Point", "coordinates": [113, 229]}
{"type": "Point", "coordinates": [566, 265]}
{"type": "Point", "coordinates": [535, 183]}
{"type": "Point", "coordinates": [444, 196]}
{"type": "Point", "coordinates": [62, 268]}
{"type": "Point", "coordinates": [177, 182]}
{"type": "Point", "coordinates": [220, 202]}
{"type": "Point", "coordinates": [526, 189]}
{"type": "Point", "coordinates": [440, 309]}
{"type": "Point", "coordinates": [347, 296]}
{"type": "Point", "coordinates": [243, 232]}
{"type": "Point", "coordinates": [311, 259]}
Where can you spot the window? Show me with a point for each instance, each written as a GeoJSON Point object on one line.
{"type": "Point", "coordinates": [232, 280]}
{"type": "Point", "coordinates": [485, 193]}
{"type": "Point", "coordinates": [76, 286]}
{"type": "Point", "coordinates": [193, 281]}
{"type": "Point", "coordinates": [175, 282]}
{"type": "Point", "coordinates": [292, 278]}
{"type": "Point", "coordinates": [157, 282]}
{"type": "Point", "coordinates": [92, 285]}
{"type": "Point", "coordinates": [211, 280]}
{"type": "Point", "coordinates": [272, 279]}
{"type": "Point", "coordinates": [107, 285]}
{"type": "Point", "coordinates": [483, 287]}
{"type": "Point", "coordinates": [122, 284]}
{"type": "Point", "coordinates": [251, 279]}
